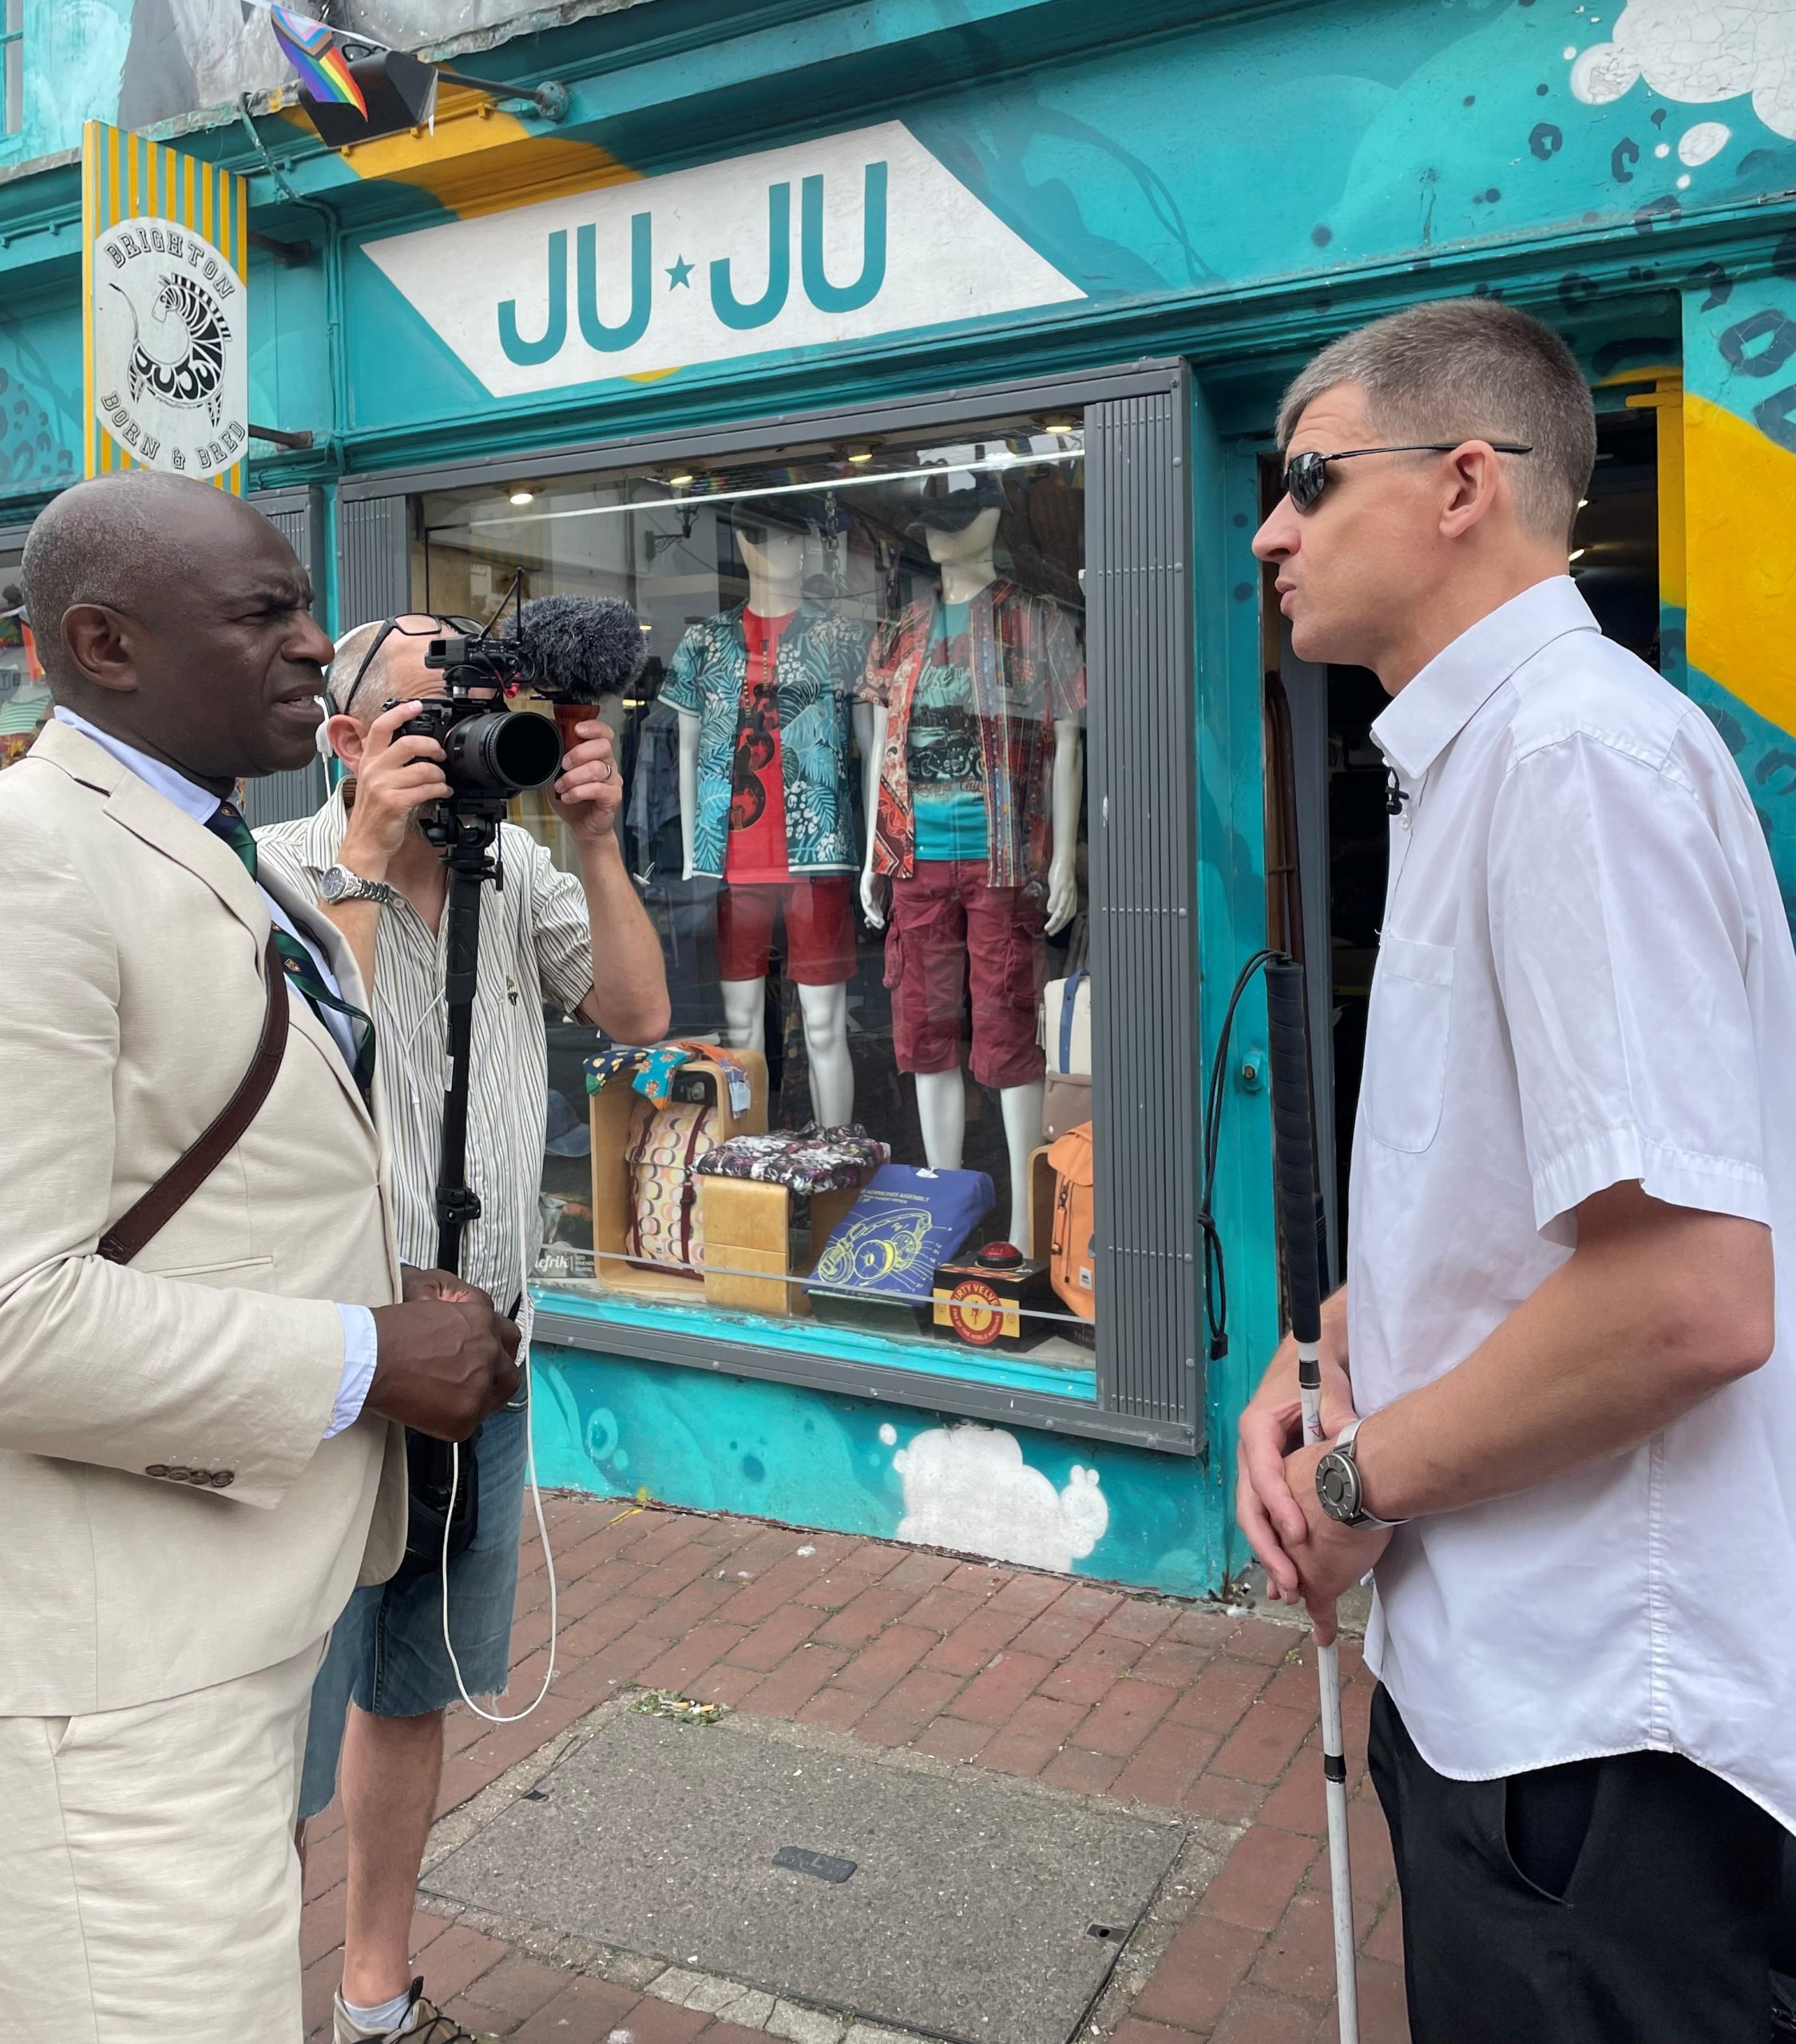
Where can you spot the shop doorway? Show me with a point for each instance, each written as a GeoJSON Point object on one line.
{"type": "Point", "coordinates": [1327, 827]}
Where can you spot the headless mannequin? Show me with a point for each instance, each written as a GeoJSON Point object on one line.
{"type": "Point", "coordinates": [965, 560]}
{"type": "Point", "coordinates": [776, 565]}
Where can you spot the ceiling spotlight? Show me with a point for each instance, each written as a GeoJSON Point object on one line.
{"type": "Point", "coordinates": [523, 496]}
{"type": "Point", "coordinates": [1584, 503]}
{"type": "Point", "coordinates": [1058, 426]}
{"type": "Point", "coordinates": [644, 625]}
{"type": "Point", "coordinates": [861, 456]}
{"type": "Point", "coordinates": [1578, 556]}
{"type": "Point", "coordinates": [680, 482]}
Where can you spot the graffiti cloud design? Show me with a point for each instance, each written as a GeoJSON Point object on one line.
{"type": "Point", "coordinates": [969, 1488]}
{"type": "Point", "coordinates": [1699, 54]}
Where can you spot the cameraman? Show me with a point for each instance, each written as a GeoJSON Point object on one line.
{"type": "Point", "coordinates": [365, 862]}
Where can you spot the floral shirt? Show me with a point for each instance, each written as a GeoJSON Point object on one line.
{"type": "Point", "coordinates": [1025, 673]}
{"type": "Point", "coordinates": [821, 659]}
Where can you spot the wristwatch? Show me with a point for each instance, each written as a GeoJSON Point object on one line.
{"type": "Point", "coordinates": [340, 885]}
{"type": "Point", "coordinates": [1337, 1483]}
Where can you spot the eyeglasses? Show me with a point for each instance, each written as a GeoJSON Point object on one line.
{"type": "Point", "coordinates": [410, 624]}
{"type": "Point", "coordinates": [1306, 475]}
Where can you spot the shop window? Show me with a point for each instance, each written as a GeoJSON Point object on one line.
{"type": "Point", "coordinates": [12, 67]}
{"type": "Point", "coordinates": [24, 699]}
{"type": "Point", "coordinates": [855, 767]}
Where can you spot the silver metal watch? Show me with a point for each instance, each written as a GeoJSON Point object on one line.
{"type": "Point", "coordinates": [340, 885]}
{"type": "Point", "coordinates": [1338, 1488]}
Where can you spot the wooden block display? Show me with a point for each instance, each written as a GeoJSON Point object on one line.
{"type": "Point", "coordinates": [752, 1225]}
{"type": "Point", "coordinates": [610, 1111]}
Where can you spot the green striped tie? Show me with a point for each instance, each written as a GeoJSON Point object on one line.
{"type": "Point", "coordinates": [302, 968]}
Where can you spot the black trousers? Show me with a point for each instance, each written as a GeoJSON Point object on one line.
{"type": "Point", "coordinates": [1628, 1900]}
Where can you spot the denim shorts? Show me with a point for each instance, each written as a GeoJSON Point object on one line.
{"type": "Point", "coordinates": [387, 1653]}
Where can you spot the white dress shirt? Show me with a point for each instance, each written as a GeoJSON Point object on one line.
{"type": "Point", "coordinates": [360, 1343]}
{"type": "Point", "coordinates": [1585, 977]}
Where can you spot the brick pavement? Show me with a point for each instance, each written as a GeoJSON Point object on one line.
{"type": "Point", "coordinates": [1174, 1704]}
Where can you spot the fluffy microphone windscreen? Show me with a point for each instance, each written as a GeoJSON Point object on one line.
{"type": "Point", "coordinates": [588, 646]}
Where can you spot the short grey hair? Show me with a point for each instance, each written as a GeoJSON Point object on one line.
{"type": "Point", "coordinates": [103, 541]}
{"type": "Point", "coordinates": [1470, 369]}
{"type": "Point", "coordinates": [365, 698]}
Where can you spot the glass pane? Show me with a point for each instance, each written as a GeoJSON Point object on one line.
{"type": "Point", "coordinates": [855, 811]}
{"type": "Point", "coordinates": [24, 700]}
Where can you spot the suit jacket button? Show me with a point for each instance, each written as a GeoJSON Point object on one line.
{"type": "Point", "coordinates": [157, 1469]}
{"type": "Point", "coordinates": [202, 1477]}
{"type": "Point", "coordinates": [177, 1474]}
{"type": "Point", "coordinates": [224, 1479]}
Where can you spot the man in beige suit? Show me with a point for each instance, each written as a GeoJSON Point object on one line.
{"type": "Point", "coordinates": [198, 1454]}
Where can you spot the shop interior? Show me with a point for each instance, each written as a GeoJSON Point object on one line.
{"type": "Point", "coordinates": [1327, 823]}
{"type": "Point", "coordinates": [854, 779]}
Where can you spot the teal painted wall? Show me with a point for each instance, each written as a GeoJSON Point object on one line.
{"type": "Point", "coordinates": [717, 1443]}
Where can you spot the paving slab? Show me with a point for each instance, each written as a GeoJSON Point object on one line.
{"type": "Point", "coordinates": [973, 1912]}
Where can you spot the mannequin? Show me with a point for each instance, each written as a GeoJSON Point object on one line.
{"type": "Point", "coordinates": [965, 558]}
{"type": "Point", "coordinates": [774, 557]}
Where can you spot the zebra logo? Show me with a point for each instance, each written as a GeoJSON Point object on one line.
{"type": "Point", "coordinates": [178, 354]}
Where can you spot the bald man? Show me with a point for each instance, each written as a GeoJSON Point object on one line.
{"type": "Point", "coordinates": [200, 1447]}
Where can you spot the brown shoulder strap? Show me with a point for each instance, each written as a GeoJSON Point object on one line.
{"type": "Point", "coordinates": [171, 1192]}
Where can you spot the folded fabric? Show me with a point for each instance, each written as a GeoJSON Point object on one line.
{"type": "Point", "coordinates": [654, 1069]}
{"type": "Point", "coordinates": [905, 1223]}
{"type": "Point", "coordinates": [806, 1160]}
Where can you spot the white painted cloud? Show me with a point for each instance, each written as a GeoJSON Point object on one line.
{"type": "Point", "coordinates": [969, 1488]}
{"type": "Point", "coordinates": [1706, 139]}
{"type": "Point", "coordinates": [1698, 52]}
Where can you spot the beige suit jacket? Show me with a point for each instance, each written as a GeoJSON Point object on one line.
{"type": "Point", "coordinates": [131, 998]}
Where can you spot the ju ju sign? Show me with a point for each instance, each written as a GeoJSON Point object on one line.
{"type": "Point", "coordinates": [165, 330]}
{"type": "Point", "coordinates": [839, 239]}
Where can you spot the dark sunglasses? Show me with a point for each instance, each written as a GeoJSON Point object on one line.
{"type": "Point", "coordinates": [1306, 475]}
{"type": "Point", "coordinates": [409, 624]}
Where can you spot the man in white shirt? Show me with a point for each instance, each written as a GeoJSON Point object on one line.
{"type": "Point", "coordinates": [1573, 1184]}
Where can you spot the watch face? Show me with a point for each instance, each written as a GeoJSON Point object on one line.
{"type": "Point", "coordinates": [1338, 1487]}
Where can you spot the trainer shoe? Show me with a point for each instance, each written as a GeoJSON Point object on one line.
{"type": "Point", "coordinates": [425, 2023]}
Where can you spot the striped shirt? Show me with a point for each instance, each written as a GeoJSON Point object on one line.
{"type": "Point", "coordinates": [535, 948]}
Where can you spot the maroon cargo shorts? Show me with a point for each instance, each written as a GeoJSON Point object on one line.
{"type": "Point", "coordinates": [951, 928]}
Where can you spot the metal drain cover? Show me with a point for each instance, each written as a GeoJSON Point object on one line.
{"type": "Point", "coordinates": [970, 1911]}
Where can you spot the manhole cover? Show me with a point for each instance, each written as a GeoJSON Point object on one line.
{"type": "Point", "coordinates": [969, 1915]}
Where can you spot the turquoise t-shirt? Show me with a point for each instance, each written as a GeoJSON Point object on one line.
{"type": "Point", "coordinates": [947, 768]}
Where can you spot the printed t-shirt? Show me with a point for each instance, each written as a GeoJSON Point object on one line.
{"type": "Point", "coordinates": [947, 757]}
{"type": "Point", "coordinates": [756, 853]}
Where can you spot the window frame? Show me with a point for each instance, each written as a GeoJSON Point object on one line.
{"type": "Point", "coordinates": [1139, 513]}
{"type": "Point", "coordinates": [12, 69]}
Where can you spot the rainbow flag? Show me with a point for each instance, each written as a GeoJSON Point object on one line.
{"type": "Point", "coordinates": [321, 67]}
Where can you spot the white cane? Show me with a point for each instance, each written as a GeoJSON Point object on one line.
{"type": "Point", "coordinates": [1295, 1171]}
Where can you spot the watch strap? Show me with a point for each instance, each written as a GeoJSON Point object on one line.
{"type": "Point", "coordinates": [1344, 1446]}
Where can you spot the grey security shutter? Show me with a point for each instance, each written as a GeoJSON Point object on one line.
{"type": "Point", "coordinates": [374, 565]}
{"type": "Point", "coordinates": [278, 797]}
{"type": "Point", "coordinates": [1141, 783]}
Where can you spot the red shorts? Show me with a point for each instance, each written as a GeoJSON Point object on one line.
{"type": "Point", "coordinates": [951, 927]}
{"type": "Point", "coordinates": [820, 930]}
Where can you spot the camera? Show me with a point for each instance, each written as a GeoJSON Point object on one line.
{"type": "Point", "coordinates": [487, 749]}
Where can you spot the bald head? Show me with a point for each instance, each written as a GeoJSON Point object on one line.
{"type": "Point", "coordinates": [173, 614]}
{"type": "Point", "coordinates": [108, 541]}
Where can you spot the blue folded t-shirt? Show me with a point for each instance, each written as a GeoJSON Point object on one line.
{"type": "Point", "coordinates": [906, 1221]}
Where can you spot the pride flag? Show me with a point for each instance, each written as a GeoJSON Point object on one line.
{"type": "Point", "coordinates": [321, 67]}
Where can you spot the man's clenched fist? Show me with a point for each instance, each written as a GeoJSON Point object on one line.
{"type": "Point", "coordinates": [446, 1359]}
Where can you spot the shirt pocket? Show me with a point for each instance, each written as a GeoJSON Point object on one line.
{"type": "Point", "coordinates": [1406, 1048]}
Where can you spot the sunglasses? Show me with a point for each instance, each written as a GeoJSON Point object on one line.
{"type": "Point", "coordinates": [410, 624]}
{"type": "Point", "coordinates": [1306, 475]}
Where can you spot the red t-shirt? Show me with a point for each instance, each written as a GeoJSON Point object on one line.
{"type": "Point", "coordinates": [756, 853]}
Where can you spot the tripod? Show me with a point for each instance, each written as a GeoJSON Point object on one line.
{"type": "Point", "coordinates": [465, 827]}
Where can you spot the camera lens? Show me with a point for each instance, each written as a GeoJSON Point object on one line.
{"type": "Point", "coordinates": [503, 750]}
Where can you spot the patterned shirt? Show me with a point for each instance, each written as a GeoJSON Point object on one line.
{"type": "Point", "coordinates": [535, 947]}
{"type": "Point", "coordinates": [1021, 655]}
{"type": "Point", "coordinates": [821, 659]}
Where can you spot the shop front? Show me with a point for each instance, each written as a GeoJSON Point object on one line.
{"type": "Point", "coordinates": [912, 385]}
